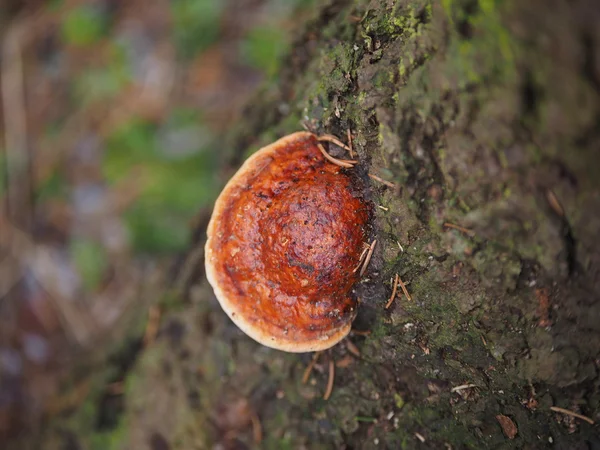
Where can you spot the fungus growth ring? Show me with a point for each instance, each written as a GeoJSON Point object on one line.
{"type": "Point", "coordinates": [283, 239]}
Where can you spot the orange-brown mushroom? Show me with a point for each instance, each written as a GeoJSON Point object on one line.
{"type": "Point", "coordinates": [284, 237]}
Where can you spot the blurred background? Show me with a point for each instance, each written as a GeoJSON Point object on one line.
{"type": "Point", "coordinates": [111, 123]}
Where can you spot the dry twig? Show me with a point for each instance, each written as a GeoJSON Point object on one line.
{"type": "Point", "coordinates": [310, 367]}
{"type": "Point", "coordinates": [381, 180]}
{"type": "Point", "coordinates": [403, 286]}
{"type": "Point", "coordinates": [330, 380]}
{"type": "Point", "coordinates": [368, 258]}
{"type": "Point", "coordinates": [543, 309]}
{"type": "Point", "coordinates": [347, 163]}
{"type": "Point", "coordinates": [459, 228]}
{"type": "Point", "coordinates": [256, 428]}
{"type": "Point", "coordinates": [361, 332]}
{"type": "Point", "coordinates": [331, 138]}
{"type": "Point", "coordinates": [362, 258]}
{"type": "Point", "coordinates": [571, 413]}
{"type": "Point", "coordinates": [349, 133]}
{"type": "Point", "coordinates": [554, 203]}
{"type": "Point", "coordinates": [352, 348]}
{"type": "Point", "coordinates": [462, 387]}
{"type": "Point", "coordinates": [345, 362]}
{"type": "Point", "coordinates": [152, 325]}
{"type": "Point", "coordinates": [394, 290]}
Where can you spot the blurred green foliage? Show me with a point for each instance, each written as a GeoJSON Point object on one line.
{"type": "Point", "coordinates": [196, 24]}
{"type": "Point", "coordinates": [55, 186]}
{"type": "Point", "coordinates": [156, 230]}
{"type": "Point", "coordinates": [131, 143]}
{"type": "Point", "coordinates": [91, 261]}
{"type": "Point", "coordinates": [100, 83]}
{"type": "Point", "coordinates": [84, 25]}
{"type": "Point", "coordinates": [174, 186]}
{"type": "Point", "coordinates": [264, 47]}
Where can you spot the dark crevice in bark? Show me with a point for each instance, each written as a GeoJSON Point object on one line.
{"type": "Point", "coordinates": [111, 406]}
{"type": "Point", "coordinates": [590, 63]}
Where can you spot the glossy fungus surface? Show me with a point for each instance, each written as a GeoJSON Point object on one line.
{"type": "Point", "coordinates": [284, 239]}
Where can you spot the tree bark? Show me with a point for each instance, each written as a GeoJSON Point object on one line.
{"type": "Point", "coordinates": [484, 116]}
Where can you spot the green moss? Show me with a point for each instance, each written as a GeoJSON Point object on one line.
{"type": "Point", "coordinates": [397, 21]}
{"type": "Point", "coordinates": [398, 401]}
{"type": "Point", "coordinates": [362, 97]}
{"type": "Point", "coordinates": [275, 443]}
{"type": "Point", "coordinates": [342, 57]}
{"type": "Point", "coordinates": [85, 423]}
{"type": "Point", "coordinates": [115, 439]}
{"type": "Point", "coordinates": [378, 331]}
{"type": "Point", "coordinates": [491, 52]}
{"type": "Point", "coordinates": [497, 267]}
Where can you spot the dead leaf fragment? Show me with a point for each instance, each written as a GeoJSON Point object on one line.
{"type": "Point", "coordinates": [543, 299]}
{"type": "Point", "coordinates": [508, 426]}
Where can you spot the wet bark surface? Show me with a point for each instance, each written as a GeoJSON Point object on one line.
{"type": "Point", "coordinates": [484, 117]}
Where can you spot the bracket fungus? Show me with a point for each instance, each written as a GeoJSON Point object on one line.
{"type": "Point", "coordinates": [285, 234]}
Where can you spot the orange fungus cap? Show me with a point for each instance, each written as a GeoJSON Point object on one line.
{"type": "Point", "coordinates": [283, 241]}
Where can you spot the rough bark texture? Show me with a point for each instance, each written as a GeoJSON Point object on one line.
{"type": "Point", "coordinates": [485, 115]}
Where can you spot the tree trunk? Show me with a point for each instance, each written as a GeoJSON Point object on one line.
{"type": "Point", "coordinates": [484, 116]}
